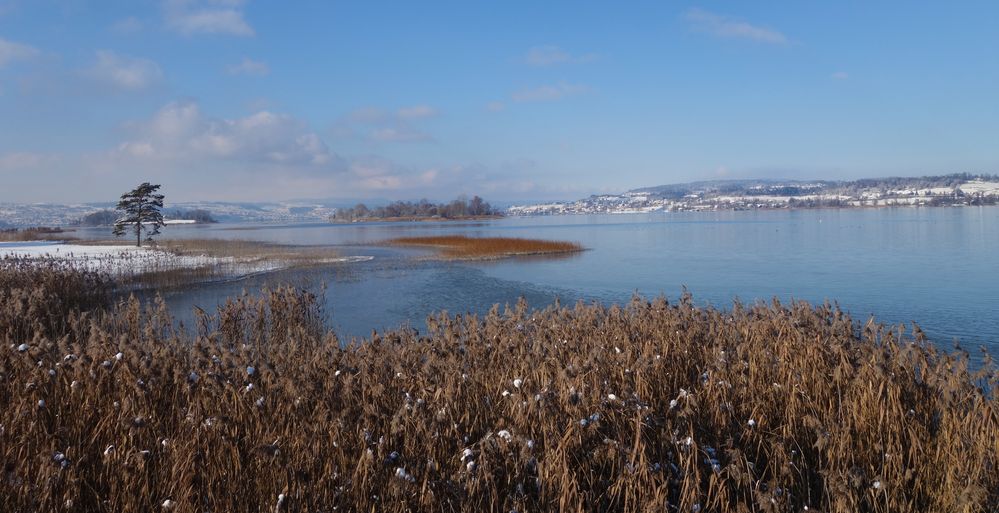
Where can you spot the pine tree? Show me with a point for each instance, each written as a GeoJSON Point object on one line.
{"type": "Point", "coordinates": [140, 209]}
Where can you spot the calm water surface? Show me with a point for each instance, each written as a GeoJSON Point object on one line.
{"type": "Point", "coordinates": [936, 266]}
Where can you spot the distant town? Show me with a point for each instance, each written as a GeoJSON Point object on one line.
{"type": "Point", "coordinates": [947, 190]}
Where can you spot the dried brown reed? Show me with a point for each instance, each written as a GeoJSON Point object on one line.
{"type": "Point", "coordinates": [460, 247]}
{"type": "Point", "coordinates": [203, 260]}
{"type": "Point", "coordinates": [247, 250]}
{"type": "Point", "coordinates": [39, 298]}
{"type": "Point", "coordinates": [240, 257]}
{"type": "Point", "coordinates": [652, 406]}
{"type": "Point", "coordinates": [243, 250]}
{"type": "Point", "coordinates": [30, 234]}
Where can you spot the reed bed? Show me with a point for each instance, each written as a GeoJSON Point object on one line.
{"type": "Point", "coordinates": [248, 250]}
{"type": "Point", "coordinates": [32, 234]}
{"type": "Point", "coordinates": [236, 249]}
{"type": "Point", "coordinates": [225, 259]}
{"type": "Point", "coordinates": [182, 262]}
{"type": "Point", "coordinates": [649, 406]}
{"type": "Point", "coordinates": [460, 247]}
{"type": "Point", "coordinates": [132, 268]}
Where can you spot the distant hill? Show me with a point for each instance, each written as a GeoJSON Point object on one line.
{"type": "Point", "coordinates": [730, 186]}
{"type": "Point", "coordinates": [945, 190]}
{"type": "Point", "coordinates": [798, 187]}
{"type": "Point", "coordinates": [50, 214]}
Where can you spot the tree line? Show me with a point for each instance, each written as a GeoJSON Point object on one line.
{"type": "Point", "coordinates": [455, 209]}
{"type": "Point", "coordinates": [108, 217]}
{"type": "Point", "coordinates": [914, 183]}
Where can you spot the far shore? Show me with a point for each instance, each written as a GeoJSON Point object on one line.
{"type": "Point", "coordinates": [413, 219]}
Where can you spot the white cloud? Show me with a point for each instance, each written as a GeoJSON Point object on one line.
{"type": "Point", "coordinates": [429, 176]}
{"type": "Point", "coordinates": [548, 92]}
{"type": "Point", "coordinates": [260, 156]}
{"type": "Point", "coordinates": [249, 66]}
{"type": "Point", "coordinates": [124, 72]}
{"type": "Point", "coordinates": [549, 55]}
{"type": "Point", "coordinates": [371, 173]}
{"type": "Point", "coordinates": [840, 75]}
{"type": "Point", "coordinates": [11, 51]}
{"type": "Point", "coordinates": [179, 131]}
{"type": "Point", "coordinates": [720, 26]}
{"type": "Point", "coordinates": [190, 17]}
{"type": "Point", "coordinates": [129, 25]}
{"type": "Point", "coordinates": [265, 155]}
{"type": "Point", "coordinates": [416, 112]}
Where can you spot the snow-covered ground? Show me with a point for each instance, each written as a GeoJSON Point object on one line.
{"type": "Point", "coordinates": [125, 261]}
{"type": "Point", "coordinates": [518, 210]}
{"type": "Point", "coordinates": [118, 260]}
{"type": "Point", "coordinates": [979, 186]}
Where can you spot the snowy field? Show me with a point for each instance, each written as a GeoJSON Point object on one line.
{"type": "Point", "coordinates": [126, 261]}
{"type": "Point", "coordinates": [981, 187]}
{"type": "Point", "coordinates": [118, 260]}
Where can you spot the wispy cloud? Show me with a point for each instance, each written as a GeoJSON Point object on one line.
{"type": "Point", "coordinates": [180, 131]}
{"type": "Point", "coordinates": [123, 72]}
{"type": "Point", "coordinates": [840, 75]}
{"type": "Point", "coordinates": [381, 125]}
{"type": "Point", "coordinates": [721, 26]}
{"type": "Point", "coordinates": [416, 112]}
{"type": "Point", "coordinates": [207, 17]}
{"type": "Point", "coordinates": [249, 66]}
{"type": "Point", "coordinates": [549, 92]}
{"type": "Point", "coordinates": [550, 55]}
{"type": "Point", "coordinates": [270, 154]}
{"type": "Point", "coordinates": [129, 25]}
{"type": "Point", "coordinates": [495, 106]}
{"type": "Point", "coordinates": [400, 134]}
{"type": "Point", "coordinates": [11, 51]}
{"type": "Point", "coordinates": [26, 161]}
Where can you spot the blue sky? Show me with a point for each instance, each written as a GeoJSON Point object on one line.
{"type": "Point", "coordinates": [259, 100]}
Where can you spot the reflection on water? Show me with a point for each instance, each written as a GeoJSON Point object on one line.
{"type": "Point", "coordinates": [936, 266]}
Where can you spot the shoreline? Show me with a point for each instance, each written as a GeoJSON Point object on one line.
{"type": "Point", "coordinates": [463, 248]}
{"type": "Point", "coordinates": [414, 219]}
{"type": "Point", "coordinates": [165, 266]}
{"type": "Point", "coordinates": [761, 209]}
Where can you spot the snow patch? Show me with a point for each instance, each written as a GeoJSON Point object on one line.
{"type": "Point", "coordinates": [128, 261]}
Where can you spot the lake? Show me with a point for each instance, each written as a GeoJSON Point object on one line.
{"type": "Point", "coordinates": [936, 266]}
